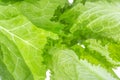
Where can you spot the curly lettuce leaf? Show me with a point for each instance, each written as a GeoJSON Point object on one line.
{"type": "Point", "coordinates": [22, 44]}
{"type": "Point", "coordinates": [67, 66]}
{"type": "Point", "coordinates": [92, 56]}
{"type": "Point", "coordinates": [99, 20]}
{"type": "Point", "coordinates": [105, 51]}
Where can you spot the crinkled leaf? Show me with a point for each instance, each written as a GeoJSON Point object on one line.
{"type": "Point", "coordinates": [22, 44]}
{"type": "Point", "coordinates": [92, 56]}
{"type": "Point", "coordinates": [67, 66]}
{"type": "Point", "coordinates": [99, 20]}
{"type": "Point", "coordinates": [96, 46]}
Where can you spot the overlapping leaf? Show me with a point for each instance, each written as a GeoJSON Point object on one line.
{"type": "Point", "coordinates": [106, 51]}
{"type": "Point", "coordinates": [99, 20]}
{"type": "Point", "coordinates": [40, 13]}
{"type": "Point", "coordinates": [67, 66]}
{"type": "Point", "coordinates": [21, 44]}
{"type": "Point", "coordinates": [95, 24]}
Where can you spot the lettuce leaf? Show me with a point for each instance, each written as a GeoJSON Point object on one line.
{"type": "Point", "coordinates": [22, 45]}
{"type": "Point", "coordinates": [66, 66]}
{"type": "Point", "coordinates": [103, 50]}
{"type": "Point", "coordinates": [4, 73]}
{"type": "Point", "coordinates": [40, 13]}
{"type": "Point", "coordinates": [86, 44]}
{"type": "Point", "coordinates": [101, 23]}
{"type": "Point", "coordinates": [13, 60]}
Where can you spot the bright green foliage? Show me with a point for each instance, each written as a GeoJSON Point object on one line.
{"type": "Point", "coordinates": [94, 16]}
{"type": "Point", "coordinates": [21, 44]}
{"type": "Point", "coordinates": [67, 66]}
{"type": "Point", "coordinates": [103, 50]}
{"type": "Point", "coordinates": [40, 13]}
{"type": "Point", "coordinates": [79, 41]}
{"type": "Point", "coordinates": [4, 73]}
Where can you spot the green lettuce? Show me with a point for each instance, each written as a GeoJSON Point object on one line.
{"type": "Point", "coordinates": [67, 63]}
{"type": "Point", "coordinates": [78, 41]}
